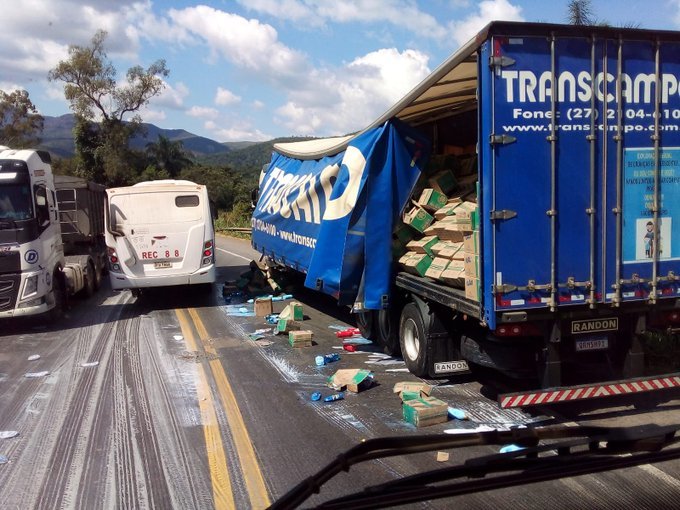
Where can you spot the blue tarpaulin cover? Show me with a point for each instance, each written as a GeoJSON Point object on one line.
{"type": "Point", "coordinates": [332, 218]}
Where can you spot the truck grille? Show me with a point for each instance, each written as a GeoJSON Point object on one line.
{"type": "Point", "coordinates": [9, 289]}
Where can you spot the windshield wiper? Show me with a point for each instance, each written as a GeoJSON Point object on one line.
{"type": "Point", "coordinates": [7, 224]}
{"type": "Point", "coordinates": [576, 451]}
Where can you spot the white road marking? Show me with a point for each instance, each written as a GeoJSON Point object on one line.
{"type": "Point", "coordinates": [234, 254]}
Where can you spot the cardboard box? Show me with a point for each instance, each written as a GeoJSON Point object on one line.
{"type": "Point", "coordinates": [453, 251]}
{"type": "Point", "coordinates": [351, 379]}
{"type": "Point", "coordinates": [472, 265]}
{"type": "Point", "coordinates": [404, 258]}
{"type": "Point", "coordinates": [437, 267]}
{"type": "Point", "coordinates": [431, 199]}
{"type": "Point", "coordinates": [406, 389]}
{"type": "Point", "coordinates": [472, 290]}
{"type": "Point", "coordinates": [454, 275]}
{"type": "Point", "coordinates": [471, 242]}
{"type": "Point", "coordinates": [461, 209]}
{"type": "Point", "coordinates": [293, 310]}
{"type": "Point", "coordinates": [425, 411]}
{"type": "Point", "coordinates": [443, 181]}
{"type": "Point", "coordinates": [301, 338]}
{"type": "Point", "coordinates": [287, 325]}
{"type": "Point", "coordinates": [263, 307]}
{"type": "Point", "coordinates": [418, 218]}
{"type": "Point", "coordinates": [451, 229]}
{"type": "Point", "coordinates": [418, 264]}
{"type": "Point", "coordinates": [423, 245]}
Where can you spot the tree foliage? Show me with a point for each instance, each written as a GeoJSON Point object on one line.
{"type": "Point", "coordinates": [168, 156]}
{"type": "Point", "coordinates": [20, 122]}
{"type": "Point", "coordinates": [95, 96]}
{"type": "Point", "coordinates": [580, 12]}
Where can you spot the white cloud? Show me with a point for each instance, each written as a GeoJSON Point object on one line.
{"type": "Point", "coordinates": [249, 44]}
{"type": "Point", "coordinates": [350, 98]}
{"type": "Point", "coordinates": [245, 132]}
{"type": "Point", "coordinates": [172, 96]}
{"type": "Point", "coordinates": [226, 97]}
{"type": "Point", "coordinates": [400, 13]}
{"type": "Point", "coordinates": [151, 116]}
{"type": "Point", "coordinates": [257, 104]}
{"type": "Point", "coordinates": [203, 112]}
{"type": "Point", "coordinates": [489, 10]}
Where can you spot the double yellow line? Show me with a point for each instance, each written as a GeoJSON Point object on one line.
{"type": "Point", "coordinates": [223, 497]}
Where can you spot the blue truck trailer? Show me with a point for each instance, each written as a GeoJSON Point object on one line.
{"type": "Point", "coordinates": [576, 135]}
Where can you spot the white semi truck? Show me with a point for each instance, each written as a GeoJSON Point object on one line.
{"type": "Point", "coordinates": [51, 235]}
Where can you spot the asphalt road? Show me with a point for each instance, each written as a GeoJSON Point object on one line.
{"type": "Point", "coordinates": [166, 402]}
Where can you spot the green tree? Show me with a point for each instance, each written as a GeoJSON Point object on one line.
{"type": "Point", "coordinates": [168, 156]}
{"type": "Point", "coordinates": [90, 86]}
{"type": "Point", "coordinates": [20, 122]}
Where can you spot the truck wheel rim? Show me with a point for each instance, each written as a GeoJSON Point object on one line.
{"type": "Point", "coordinates": [411, 340]}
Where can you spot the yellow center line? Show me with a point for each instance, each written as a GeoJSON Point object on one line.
{"type": "Point", "coordinates": [257, 490]}
{"type": "Point", "coordinates": [217, 461]}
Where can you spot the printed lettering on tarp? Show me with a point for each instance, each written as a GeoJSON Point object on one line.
{"type": "Point", "coordinates": [318, 217]}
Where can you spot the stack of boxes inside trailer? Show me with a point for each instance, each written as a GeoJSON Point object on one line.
{"type": "Point", "coordinates": [439, 236]}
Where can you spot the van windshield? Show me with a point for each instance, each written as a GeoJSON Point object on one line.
{"type": "Point", "coordinates": [15, 202]}
{"type": "Point", "coordinates": [155, 208]}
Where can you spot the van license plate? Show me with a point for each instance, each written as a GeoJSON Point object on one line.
{"type": "Point", "coordinates": [162, 265]}
{"type": "Point", "coordinates": [592, 344]}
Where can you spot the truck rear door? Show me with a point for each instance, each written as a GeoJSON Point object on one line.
{"type": "Point", "coordinates": [585, 173]}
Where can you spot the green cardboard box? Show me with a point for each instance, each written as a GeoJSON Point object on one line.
{"type": "Point", "coordinates": [443, 181]}
{"type": "Point", "coordinates": [431, 199]}
{"type": "Point", "coordinates": [418, 218]}
{"type": "Point", "coordinates": [424, 411]}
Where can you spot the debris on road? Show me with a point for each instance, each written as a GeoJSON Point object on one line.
{"type": "Point", "coordinates": [178, 337]}
{"type": "Point", "coordinates": [32, 375]}
{"type": "Point", "coordinates": [408, 390]}
{"type": "Point", "coordinates": [332, 398]}
{"type": "Point", "coordinates": [33, 357]}
{"type": "Point", "coordinates": [510, 448]}
{"type": "Point", "coordinates": [8, 434]}
{"type": "Point", "coordinates": [272, 319]}
{"type": "Point", "coordinates": [240, 311]}
{"type": "Point", "coordinates": [287, 325]}
{"type": "Point", "coordinates": [316, 396]}
{"type": "Point", "coordinates": [263, 343]}
{"type": "Point", "coordinates": [293, 311]}
{"type": "Point", "coordinates": [425, 411]}
{"type": "Point", "coordinates": [352, 379]}
{"type": "Point", "coordinates": [3, 459]}
{"type": "Point", "coordinates": [89, 364]}
{"type": "Point", "coordinates": [458, 414]}
{"type": "Point", "coordinates": [348, 333]}
{"type": "Point", "coordinates": [326, 358]}
{"type": "Point", "coordinates": [301, 338]}
{"type": "Point", "coordinates": [442, 456]}
{"type": "Point", "coordinates": [263, 307]}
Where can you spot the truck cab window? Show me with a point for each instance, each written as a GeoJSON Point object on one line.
{"type": "Point", "coordinates": [41, 206]}
{"type": "Point", "coordinates": [15, 202]}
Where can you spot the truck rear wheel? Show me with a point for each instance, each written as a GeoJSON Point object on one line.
{"type": "Point", "coordinates": [366, 320]}
{"type": "Point", "coordinates": [413, 340]}
{"type": "Point", "coordinates": [388, 330]}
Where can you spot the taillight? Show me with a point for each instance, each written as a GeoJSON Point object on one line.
{"type": "Point", "coordinates": [113, 257]}
{"type": "Point", "coordinates": [208, 252]}
{"type": "Point", "coordinates": [519, 329]}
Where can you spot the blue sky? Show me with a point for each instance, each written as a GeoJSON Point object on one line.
{"type": "Point", "coordinates": [259, 69]}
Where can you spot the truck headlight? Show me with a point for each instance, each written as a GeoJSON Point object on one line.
{"type": "Point", "coordinates": [30, 286]}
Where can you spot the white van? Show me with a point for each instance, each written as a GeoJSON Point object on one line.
{"type": "Point", "coordinates": [159, 233]}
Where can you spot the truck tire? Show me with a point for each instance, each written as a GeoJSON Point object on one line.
{"type": "Point", "coordinates": [366, 322]}
{"type": "Point", "coordinates": [387, 325]}
{"type": "Point", "coordinates": [90, 280]}
{"type": "Point", "coordinates": [59, 296]}
{"type": "Point", "coordinates": [413, 340]}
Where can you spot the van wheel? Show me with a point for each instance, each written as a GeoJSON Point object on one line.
{"type": "Point", "coordinates": [388, 330]}
{"type": "Point", "coordinates": [366, 323]}
{"type": "Point", "coordinates": [413, 340]}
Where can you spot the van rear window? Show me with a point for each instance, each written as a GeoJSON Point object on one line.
{"type": "Point", "coordinates": [186, 201]}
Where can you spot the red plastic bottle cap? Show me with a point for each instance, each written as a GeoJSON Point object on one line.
{"type": "Point", "coordinates": [350, 347]}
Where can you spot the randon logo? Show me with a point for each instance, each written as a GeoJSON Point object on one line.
{"type": "Point", "coordinates": [31, 256]}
